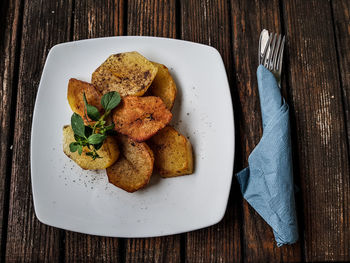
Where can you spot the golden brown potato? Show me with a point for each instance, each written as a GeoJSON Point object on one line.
{"type": "Point", "coordinates": [109, 152]}
{"type": "Point", "coordinates": [76, 89]}
{"type": "Point", "coordinates": [141, 117]}
{"type": "Point", "coordinates": [163, 86]}
{"type": "Point", "coordinates": [172, 153]}
{"type": "Point", "coordinates": [134, 168]}
{"type": "Point", "coordinates": [128, 73]}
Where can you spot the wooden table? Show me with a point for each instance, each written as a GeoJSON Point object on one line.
{"type": "Point", "coordinates": [316, 85]}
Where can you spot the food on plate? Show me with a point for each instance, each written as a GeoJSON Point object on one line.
{"type": "Point", "coordinates": [133, 170]}
{"type": "Point", "coordinates": [172, 153]}
{"type": "Point", "coordinates": [128, 73]}
{"type": "Point", "coordinates": [163, 86]}
{"type": "Point", "coordinates": [93, 134]}
{"type": "Point", "coordinates": [127, 103]}
{"type": "Point", "coordinates": [76, 90]}
{"type": "Point", "coordinates": [141, 117]}
{"type": "Point", "coordinates": [109, 152]}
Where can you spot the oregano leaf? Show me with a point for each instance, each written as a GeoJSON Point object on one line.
{"type": "Point", "coordinates": [78, 125]}
{"type": "Point", "coordinates": [80, 149]}
{"type": "Point", "coordinates": [92, 111]}
{"type": "Point", "coordinates": [96, 138]}
{"type": "Point", "coordinates": [110, 100]}
{"type": "Point", "coordinates": [73, 147]}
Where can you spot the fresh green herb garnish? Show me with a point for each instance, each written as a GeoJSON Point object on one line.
{"type": "Point", "coordinates": [110, 100]}
{"type": "Point", "coordinates": [93, 135]}
{"type": "Point", "coordinates": [77, 125]}
{"type": "Point", "coordinates": [92, 112]}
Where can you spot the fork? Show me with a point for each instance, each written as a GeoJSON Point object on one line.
{"type": "Point", "coordinates": [271, 47]}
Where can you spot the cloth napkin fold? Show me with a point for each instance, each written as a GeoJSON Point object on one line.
{"type": "Point", "coordinates": [267, 183]}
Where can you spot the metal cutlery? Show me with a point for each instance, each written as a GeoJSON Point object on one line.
{"type": "Point", "coordinates": [271, 47]}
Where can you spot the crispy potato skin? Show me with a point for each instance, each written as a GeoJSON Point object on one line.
{"type": "Point", "coordinates": [141, 117]}
{"type": "Point", "coordinates": [134, 168]}
{"type": "Point", "coordinates": [172, 153]}
{"type": "Point", "coordinates": [109, 152]}
{"type": "Point", "coordinates": [163, 86]}
{"type": "Point", "coordinates": [129, 73]}
{"type": "Point", "coordinates": [76, 89]}
{"type": "Point", "coordinates": [148, 94]}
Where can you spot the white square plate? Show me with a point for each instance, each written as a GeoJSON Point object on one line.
{"type": "Point", "coordinates": [67, 197]}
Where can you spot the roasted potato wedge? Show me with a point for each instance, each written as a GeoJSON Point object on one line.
{"type": "Point", "coordinates": [128, 73]}
{"type": "Point", "coordinates": [163, 86]}
{"type": "Point", "coordinates": [109, 152]}
{"type": "Point", "coordinates": [134, 168]}
{"type": "Point", "coordinates": [141, 117]}
{"type": "Point", "coordinates": [172, 153]}
{"type": "Point", "coordinates": [76, 89]}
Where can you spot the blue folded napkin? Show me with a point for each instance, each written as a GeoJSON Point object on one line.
{"type": "Point", "coordinates": [267, 183]}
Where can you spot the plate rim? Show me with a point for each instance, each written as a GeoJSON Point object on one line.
{"type": "Point", "coordinates": [219, 216]}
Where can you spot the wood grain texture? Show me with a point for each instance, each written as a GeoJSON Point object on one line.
{"type": "Point", "coordinates": [320, 125]}
{"type": "Point", "coordinates": [316, 86]}
{"type": "Point", "coordinates": [10, 15]}
{"type": "Point", "coordinates": [98, 18]}
{"type": "Point", "coordinates": [248, 19]}
{"type": "Point", "coordinates": [154, 18]}
{"type": "Point", "coordinates": [159, 249]}
{"type": "Point", "coordinates": [87, 248]}
{"type": "Point", "coordinates": [94, 19]}
{"type": "Point", "coordinates": [208, 22]}
{"type": "Point", "coordinates": [218, 243]}
{"type": "Point", "coordinates": [45, 23]}
{"type": "Point", "coordinates": [341, 19]}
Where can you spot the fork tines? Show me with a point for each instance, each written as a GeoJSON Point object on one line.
{"type": "Point", "coordinates": [273, 53]}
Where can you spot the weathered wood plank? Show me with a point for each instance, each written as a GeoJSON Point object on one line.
{"type": "Point", "coordinates": [159, 249]}
{"type": "Point", "coordinates": [208, 22]}
{"type": "Point", "coordinates": [94, 19]}
{"type": "Point", "coordinates": [98, 18]}
{"type": "Point", "coordinates": [323, 158]}
{"type": "Point", "coordinates": [341, 16]}
{"type": "Point", "coordinates": [218, 243]}
{"type": "Point", "coordinates": [87, 248]}
{"type": "Point", "coordinates": [154, 18]}
{"type": "Point", "coordinates": [10, 17]}
{"type": "Point", "coordinates": [45, 23]}
{"type": "Point", "coordinates": [248, 19]}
